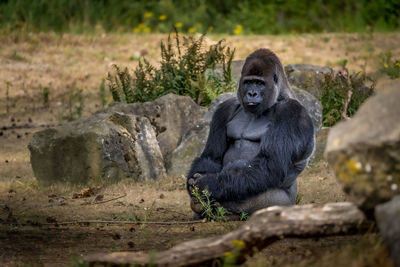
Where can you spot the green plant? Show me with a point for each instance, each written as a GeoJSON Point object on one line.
{"type": "Point", "coordinates": [390, 66]}
{"type": "Point", "coordinates": [342, 94]}
{"type": "Point", "coordinates": [102, 94]}
{"type": "Point", "coordinates": [244, 216]}
{"type": "Point", "coordinates": [298, 199]}
{"type": "Point", "coordinates": [76, 103]}
{"type": "Point", "coordinates": [212, 211]}
{"type": "Point", "coordinates": [45, 95]}
{"type": "Point", "coordinates": [187, 68]}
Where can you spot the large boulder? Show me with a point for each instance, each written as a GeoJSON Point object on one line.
{"type": "Point", "coordinates": [388, 218]}
{"type": "Point", "coordinates": [171, 115]}
{"type": "Point", "coordinates": [365, 151]}
{"type": "Point", "coordinates": [191, 146]}
{"type": "Point", "coordinates": [307, 77]}
{"type": "Point", "coordinates": [103, 148]}
{"type": "Point", "coordinates": [312, 105]}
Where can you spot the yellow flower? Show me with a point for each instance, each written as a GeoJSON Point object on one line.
{"type": "Point", "coordinates": [162, 17]}
{"type": "Point", "coordinates": [238, 30]}
{"type": "Point", "coordinates": [210, 29]}
{"type": "Point", "coordinates": [148, 15]}
{"type": "Point", "coordinates": [228, 254]}
{"type": "Point", "coordinates": [147, 29]}
{"type": "Point", "coordinates": [398, 64]}
{"type": "Point", "coordinates": [386, 66]}
{"type": "Point", "coordinates": [178, 25]}
{"type": "Point", "coordinates": [192, 30]}
{"type": "Point", "coordinates": [239, 243]}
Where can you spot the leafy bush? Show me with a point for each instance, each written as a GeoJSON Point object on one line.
{"type": "Point", "coordinates": [186, 69]}
{"type": "Point", "coordinates": [335, 94]}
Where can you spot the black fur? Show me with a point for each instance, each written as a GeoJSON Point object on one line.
{"type": "Point", "coordinates": [281, 152]}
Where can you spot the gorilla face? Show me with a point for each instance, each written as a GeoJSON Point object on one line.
{"type": "Point", "coordinates": [263, 82]}
{"type": "Point", "coordinates": [258, 93]}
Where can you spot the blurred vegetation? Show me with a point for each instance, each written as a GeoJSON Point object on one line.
{"type": "Point", "coordinates": [390, 66]}
{"type": "Point", "coordinates": [221, 16]}
{"type": "Point", "coordinates": [335, 90]}
{"type": "Point", "coordinates": [187, 68]}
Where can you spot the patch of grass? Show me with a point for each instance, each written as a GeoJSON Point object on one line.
{"type": "Point", "coordinates": [17, 57]}
{"type": "Point", "coordinates": [243, 216]}
{"type": "Point", "coordinates": [76, 103]}
{"type": "Point", "coordinates": [337, 89]}
{"type": "Point", "coordinates": [45, 96]}
{"type": "Point", "coordinates": [187, 68]}
{"type": "Point", "coordinates": [390, 66]}
{"type": "Point", "coordinates": [212, 211]}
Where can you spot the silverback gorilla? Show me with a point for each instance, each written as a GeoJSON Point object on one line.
{"type": "Point", "coordinates": [258, 143]}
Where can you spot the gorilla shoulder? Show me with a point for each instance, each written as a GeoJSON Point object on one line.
{"type": "Point", "coordinates": [291, 110]}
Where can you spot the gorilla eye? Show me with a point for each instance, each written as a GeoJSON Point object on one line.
{"type": "Point", "coordinates": [275, 78]}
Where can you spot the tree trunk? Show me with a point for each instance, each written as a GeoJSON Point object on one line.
{"type": "Point", "coordinates": [263, 228]}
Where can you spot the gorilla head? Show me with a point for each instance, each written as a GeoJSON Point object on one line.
{"type": "Point", "coordinates": [263, 82]}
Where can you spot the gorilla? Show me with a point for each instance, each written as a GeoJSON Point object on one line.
{"type": "Point", "coordinates": [258, 143]}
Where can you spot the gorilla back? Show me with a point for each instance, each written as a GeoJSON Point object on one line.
{"type": "Point", "coordinates": [258, 143]}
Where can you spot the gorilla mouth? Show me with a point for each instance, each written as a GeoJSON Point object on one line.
{"type": "Point", "coordinates": [252, 104]}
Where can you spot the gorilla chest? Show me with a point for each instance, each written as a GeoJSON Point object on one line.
{"type": "Point", "coordinates": [244, 133]}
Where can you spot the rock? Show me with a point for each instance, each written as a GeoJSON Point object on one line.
{"type": "Point", "coordinates": [307, 77]}
{"type": "Point", "coordinates": [320, 144]}
{"type": "Point", "coordinates": [171, 115]}
{"type": "Point", "coordinates": [388, 217]}
{"type": "Point", "coordinates": [191, 146]}
{"type": "Point", "coordinates": [215, 103]}
{"type": "Point", "coordinates": [365, 151]}
{"type": "Point", "coordinates": [312, 105]}
{"type": "Point", "coordinates": [102, 148]}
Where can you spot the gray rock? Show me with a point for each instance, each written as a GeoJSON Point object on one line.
{"type": "Point", "coordinates": [191, 146]}
{"type": "Point", "coordinates": [312, 105]}
{"type": "Point", "coordinates": [215, 103]}
{"type": "Point", "coordinates": [387, 216]}
{"type": "Point", "coordinates": [320, 144]}
{"type": "Point", "coordinates": [307, 77]}
{"type": "Point", "coordinates": [103, 148]}
{"type": "Point", "coordinates": [171, 115]}
{"type": "Point", "coordinates": [365, 151]}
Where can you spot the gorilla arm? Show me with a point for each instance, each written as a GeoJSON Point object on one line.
{"type": "Point", "coordinates": [289, 141]}
{"type": "Point", "coordinates": [210, 161]}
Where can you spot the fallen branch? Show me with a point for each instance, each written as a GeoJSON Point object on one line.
{"type": "Point", "coordinates": [264, 227]}
{"type": "Point", "coordinates": [346, 105]}
{"type": "Point", "coordinates": [108, 200]}
{"type": "Point", "coordinates": [124, 222]}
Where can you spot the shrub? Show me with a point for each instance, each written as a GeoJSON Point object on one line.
{"type": "Point", "coordinates": [186, 69]}
{"type": "Point", "coordinates": [335, 94]}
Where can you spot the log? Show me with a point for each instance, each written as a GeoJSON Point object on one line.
{"type": "Point", "coordinates": [262, 229]}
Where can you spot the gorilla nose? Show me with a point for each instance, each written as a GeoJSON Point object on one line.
{"type": "Point", "coordinates": [252, 94]}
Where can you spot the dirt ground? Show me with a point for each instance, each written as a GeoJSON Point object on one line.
{"type": "Point", "coordinates": [31, 232]}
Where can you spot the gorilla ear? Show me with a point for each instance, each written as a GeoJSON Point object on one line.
{"type": "Point", "coordinates": [275, 78]}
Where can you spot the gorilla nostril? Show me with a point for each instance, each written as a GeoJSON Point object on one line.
{"type": "Point", "coordinates": [252, 94]}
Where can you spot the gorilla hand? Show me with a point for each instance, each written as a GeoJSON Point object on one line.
{"type": "Point", "coordinates": [209, 184]}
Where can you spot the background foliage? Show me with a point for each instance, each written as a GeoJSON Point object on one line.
{"type": "Point", "coordinates": [221, 16]}
{"type": "Point", "coordinates": [187, 68]}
